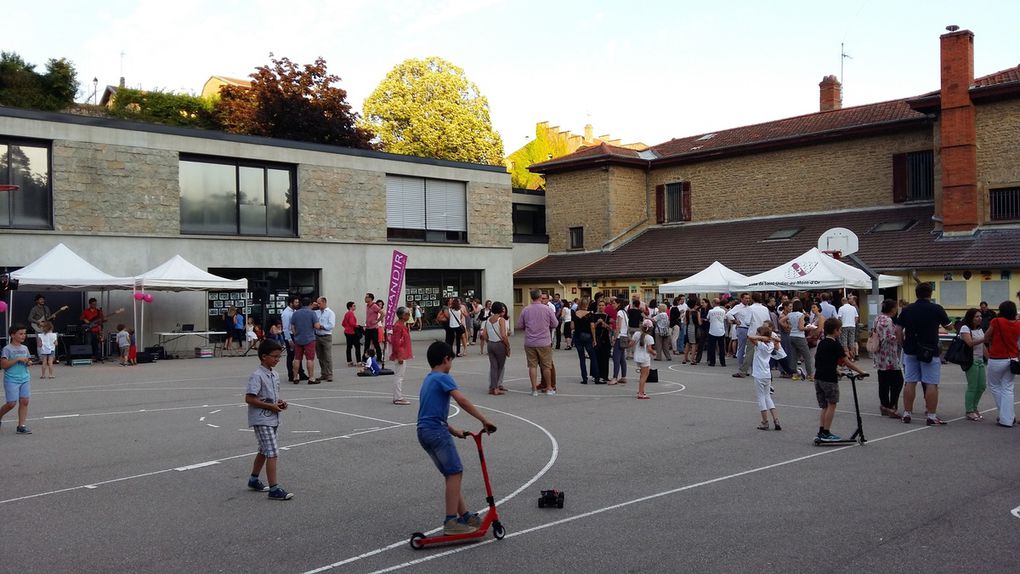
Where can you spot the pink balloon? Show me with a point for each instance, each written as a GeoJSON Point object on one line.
{"type": "Point", "coordinates": [139, 296]}
{"type": "Point", "coordinates": [148, 298]}
{"type": "Point", "coordinates": [3, 306]}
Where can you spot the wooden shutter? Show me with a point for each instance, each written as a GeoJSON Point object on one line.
{"type": "Point", "coordinates": [899, 178]}
{"type": "Point", "coordinates": [660, 204]}
{"type": "Point", "coordinates": [685, 198]}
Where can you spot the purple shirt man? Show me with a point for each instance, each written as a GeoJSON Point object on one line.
{"type": "Point", "coordinates": [538, 322]}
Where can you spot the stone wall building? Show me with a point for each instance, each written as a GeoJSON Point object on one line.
{"type": "Point", "coordinates": [931, 185]}
{"type": "Point", "coordinates": [291, 217]}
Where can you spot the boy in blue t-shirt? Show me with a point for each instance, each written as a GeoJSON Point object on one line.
{"type": "Point", "coordinates": [14, 360]}
{"type": "Point", "coordinates": [434, 434]}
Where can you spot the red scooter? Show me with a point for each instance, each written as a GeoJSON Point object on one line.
{"type": "Point", "coordinates": [419, 540]}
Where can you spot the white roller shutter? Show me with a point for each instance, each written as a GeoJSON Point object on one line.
{"type": "Point", "coordinates": [446, 207]}
{"type": "Point", "coordinates": [405, 202]}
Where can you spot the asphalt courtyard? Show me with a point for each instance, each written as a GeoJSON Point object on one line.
{"type": "Point", "coordinates": [143, 469]}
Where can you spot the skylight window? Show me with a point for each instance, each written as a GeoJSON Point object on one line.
{"type": "Point", "coordinates": [783, 234]}
{"type": "Point", "coordinates": [891, 226]}
{"type": "Point", "coordinates": [706, 137]}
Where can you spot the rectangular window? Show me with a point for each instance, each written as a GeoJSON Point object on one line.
{"type": "Point", "coordinates": [229, 197]}
{"type": "Point", "coordinates": [995, 292]}
{"type": "Point", "coordinates": [529, 223]}
{"type": "Point", "coordinates": [421, 209]}
{"type": "Point", "coordinates": [1004, 204]}
{"type": "Point", "coordinates": [432, 288]}
{"type": "Point", "coordinates": [914, 176]}
{"type": "Point", "coordinates": [673, 202]}
{"type": "Point", "coordinates": [26, 165]}
{"type": "Point", "coordinates": [577, 238]}
{"type": "Point", "coordinates": [952, 293]}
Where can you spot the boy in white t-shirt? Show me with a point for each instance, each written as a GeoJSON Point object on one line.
{"type": "Point", "coordinates": [761, 372]}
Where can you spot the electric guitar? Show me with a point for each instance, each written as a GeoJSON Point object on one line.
{"type": "Point", "coordinates": [90, 325]}
{"type": "Point", "coordinates": [37, 325]}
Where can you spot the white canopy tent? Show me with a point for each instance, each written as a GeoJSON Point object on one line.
{"type": "Point", "coordinates": [61, 269]}
{"type": "Point", "coordinates": [179, 274]}
{"type": "Point", "coordinates": [716, 278]}
{"type": "Point", "coordinates": [814, 270]}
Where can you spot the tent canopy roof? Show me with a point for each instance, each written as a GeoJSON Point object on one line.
{"type": "Point", "coordinates": [179, 274]}
{"type": "Point", "coordinates": [814, 270]}
{"type": "Point", "coordinates": [714, 278]}
{"type": "Point", "coordinates": [61, 268]}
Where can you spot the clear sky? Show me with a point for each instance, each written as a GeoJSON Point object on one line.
{"type": "Point", "coordinates": [640, 70]}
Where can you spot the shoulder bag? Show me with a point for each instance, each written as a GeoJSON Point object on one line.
{"type": "Point", "coordinates": [960, 353]}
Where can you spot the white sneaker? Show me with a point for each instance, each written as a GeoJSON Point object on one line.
{"type": "Point", "coordinates": [550, 392]}
{"type": "Point", "coordinates": [534, 393]}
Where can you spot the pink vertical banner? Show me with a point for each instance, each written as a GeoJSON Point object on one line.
{"type": "Point", "coordinates": [396, 283]}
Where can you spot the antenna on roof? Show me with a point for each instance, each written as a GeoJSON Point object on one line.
{"type": "Point", "coordinates": [843, 57]}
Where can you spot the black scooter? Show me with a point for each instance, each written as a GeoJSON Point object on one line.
{"type": "Point", "coordinates": [858, 435]}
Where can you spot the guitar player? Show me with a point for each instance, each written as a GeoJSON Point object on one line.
{"type": "Point", "coordinates": [93, 320]}
{"type": "Point", "coordinates": [41, 312]}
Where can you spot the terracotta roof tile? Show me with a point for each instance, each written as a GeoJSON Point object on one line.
{"type": "Point", "coordinates": [674, 252]}
{"type": "Point", "coordinates": [1000, 77]}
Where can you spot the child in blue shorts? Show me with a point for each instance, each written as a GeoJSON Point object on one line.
{"type": "Point", "coordinates": [435, 434]}
{"type": "Point", "coordinates": [14, 360]}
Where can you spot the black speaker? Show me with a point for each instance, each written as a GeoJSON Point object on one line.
{"type": "Point", "coordinates": [158, 353]}
{"type": "Point", "coordinates": [80, 351]}
{"type": "Point", "coordinates": [146, 357]}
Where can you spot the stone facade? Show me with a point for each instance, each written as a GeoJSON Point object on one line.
{"type": "Point", "coordinates": [577, 198]}
{"type": "Point", "coordinates": [846, 174]}
{"type": "Point", "coordinates": [115, 189]}
{"type": "Point", "coordinates": [998, 149]}
{"type": "Point", "coordinates": [332, 204]}
{"type": "Point", "coordinates": [490, 215]}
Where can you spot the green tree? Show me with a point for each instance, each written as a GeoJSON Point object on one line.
{"type": "Point", "coordinates": [292, 102]}
{"type": "Point", "coordinates": [546, 145]}
{"type": "Point", "coordinates": [164, 108]}
{"type": "Point", "coordinates": [22, 87]}
{"type": "Point", "coordinates": [429, 108]}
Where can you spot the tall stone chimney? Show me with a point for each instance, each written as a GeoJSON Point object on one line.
{"type": "Point", "coordinates": [830, 95]}
{"type": "Point", "coordinates": [957, 133]}
{"type": "Point", "coordinates": [588, 133]}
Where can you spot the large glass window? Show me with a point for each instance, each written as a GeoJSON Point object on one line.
{"type": "Point", "coordinates": [420, 209]}
{"type": "Point", "coordinates": [225, 197]}
{"type": "Point", "coordinates": [529, 223]}
{"type": "Point", "coordinates": [431, 288]}
{"type": "Point", "coordinates": [28, 167]}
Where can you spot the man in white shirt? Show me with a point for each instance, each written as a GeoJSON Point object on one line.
{"type": "Point", "coordinates": [848, 316]}
{"type": "Point", "coordinates": [738, 315]}
{"type": "Point", "coordinates": [325, 321]}
{"type": "Point", "coordinates": [680, 325]}
{"type": "Point", "coordinates": [757, 315]}
{"type": "Point", "coordinates": [716, 333]}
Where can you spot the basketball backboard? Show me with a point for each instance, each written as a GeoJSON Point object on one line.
{"type": "Point", "coordinates": [839, 239]}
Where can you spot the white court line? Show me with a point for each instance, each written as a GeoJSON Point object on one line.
{"type": "Point", "coordinates": [194, 466]}
{"type": "Point", "coordinates": [59, 416]}
{"type": "Point", "coordinates": [94, 485]}
{"type": "Point", "coordinates": [216, 411]}
{"type": "Point", "coordinates": [343, 413]}
{"type": "Point", "coordinates": [540, 474]}
{"type": "Point", "coordinates": [826, 451]}
{"type": "Point", "coordinates": [201, 419]}
{"type": "Point", "coordinates": [777, 404]}
{"type": "Point", "coordinates": [612, 395]}
{"type": "Point", "coordinates": [212, 425]}
{"type": "Point", "coordinates": [1015, 512]}
{"type": "Point", "coordinates": [305, 431]}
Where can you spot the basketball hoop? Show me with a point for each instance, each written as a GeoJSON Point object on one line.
{"type": "Point", "coordinates": [834, 253]}
{"type": "Point", "coordinates": [5, 187]}
{"type": "Point", "coordinates": [838, 242]}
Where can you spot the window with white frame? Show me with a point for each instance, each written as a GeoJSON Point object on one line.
{"type": "Point", "coordinates": [423, 209]}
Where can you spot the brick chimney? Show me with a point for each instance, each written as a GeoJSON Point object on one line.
{"type": "Point", "coordinates": [957, 133]}
{"type": "Point", "coordinates": [830, 95]}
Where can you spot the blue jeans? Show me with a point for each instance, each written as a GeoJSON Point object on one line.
{"type": "Point", "coordinates": [741, 343]}
{"type": "Point", "coordinates": [620, 358]}
{"type": "Point", "coordinates": [583, 344]}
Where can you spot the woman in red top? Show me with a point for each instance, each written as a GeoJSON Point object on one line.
{"type": "Point", "coordinates": [350, 325]}
{"type": "Point", "coordinates": [400, 341]}
{"type": "Point", "coordinates": [1002, 335]}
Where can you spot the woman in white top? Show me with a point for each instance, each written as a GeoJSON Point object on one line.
{"type": "Point", "coordinates": [47, 341]}
{"type": "Point", "coordinates": [455, 331]}
{"type": "Point", "coordinates": [567, 332]}
{"type": "Point", "coordinates": [498, 339]}
{"type": "Point", "coordinates": [644, 346]}
{"type": "Point", "coordinates": [974, 337]}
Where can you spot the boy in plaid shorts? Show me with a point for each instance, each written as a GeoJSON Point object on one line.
{"type": "Point", "coordinates": [264, 405]}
